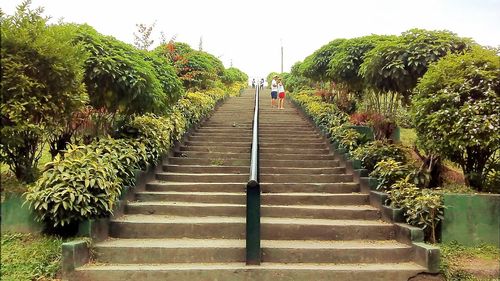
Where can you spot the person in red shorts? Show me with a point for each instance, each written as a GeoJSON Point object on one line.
{"type": "Point", "coordinates": [281, 94]}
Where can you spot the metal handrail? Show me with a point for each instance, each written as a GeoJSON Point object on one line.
{"type": "Point", "coordinates": [253, 250]}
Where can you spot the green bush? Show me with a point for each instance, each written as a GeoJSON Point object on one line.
{"type": "Point", "coordinates": [466, 89]}
{"type": "Point", "coordinates": [153, 132]}
{"type": "Point", "coordinates": [42, 85]}
{"type": "Point", "coordinates": [425, 209]}
{"type": "Point", "coordinates": [325, 115]}
{"type": "Point", "coordinates": [373, 152]}
{"type": "Point", "coordinates": [422, 207]}
{"type": "Point", "coordinates": [83, 185]}
{"type": "Point", "coordinates": [388, 171]}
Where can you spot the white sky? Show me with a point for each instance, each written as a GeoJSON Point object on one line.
{"type": "Point", "coordinates": [249, 33]}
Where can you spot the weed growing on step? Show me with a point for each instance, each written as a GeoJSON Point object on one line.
{"type": "Point", "coordinates": [217, 162]}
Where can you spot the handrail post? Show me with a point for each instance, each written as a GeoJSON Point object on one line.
{"type": "Point", "coordinates": [253, 250]}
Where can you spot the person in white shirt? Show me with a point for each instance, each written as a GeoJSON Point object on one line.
{"type": "Point", "coordinates": [274, 91]}
{"type": "Point", "coordinates": [281, 94]}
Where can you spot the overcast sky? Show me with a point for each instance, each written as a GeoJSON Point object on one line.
{"type": "Point", "coordinates": [248, 34]}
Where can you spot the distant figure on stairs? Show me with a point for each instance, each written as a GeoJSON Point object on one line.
{"type": "Point", "coordinates": [253, 83]}
{"type": "Point", "coordinates": [281, 94]}
{"type": "Point", "coordinates": [262, 83]}
{"type": "Point", "coordinates": [274, 91]}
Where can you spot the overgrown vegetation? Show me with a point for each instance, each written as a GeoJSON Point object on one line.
{"type": "Point", "coordinates": [103, 107]}
{"type": "Point", "coordinates": [459, 262]}
{"type": "Point", "coordinates": [27, 257]}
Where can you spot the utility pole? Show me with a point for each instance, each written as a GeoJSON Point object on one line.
{"type": "Point", "coordinates": [281, 41]}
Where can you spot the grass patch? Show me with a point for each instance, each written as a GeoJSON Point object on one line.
{"type": "Point", "coordinates": [27, 257]}
{"type": "Point", "coordinates": [9, 182]}
{"type": "Point", "coordinates": [408, 137]}
{"type": "Point", "coordinates": [460, 262]}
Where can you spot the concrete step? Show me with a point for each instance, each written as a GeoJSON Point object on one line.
{"type": "Point", "coordinates": [308, 171]}
{"type": "Point", "coordinates": [267, 188]}
{"type": "Point", "coordinates": [242, 272]}
{"type": "Point", "coordinates": [333, 188]}
{"type": "Point", "coordinates": [314, 198]}
{"type": "Point", "coordinates": [224, 149]}
{"type": "Point", "coordinates": [216, 161]}
{"type": "Point", "coordinates": [160, 251]}
{"type": "Point", "coordinates": [202, 178]}
{"type": "Point", "coordinates": [304, 178]}
{"type": "Point", "coordinates": [221, 227]}
{"type": "Point", "coordinates": [284, 149]}
{"type": "Point", "coordinates": [296, 157]}
{"type": "Point", "coordinates": [197, 209]}
{"type": "Point", "coordinates": [206, 169]}
{"type": "Point", "coordinates": [221, 138]}
{"type": "Point", "coordinates": [217, 143]}
{"type": "Point", "coordinates": [318, 144]}
{"type": "Point", "coordinates": [194, 196]}
{"type": "Point", "coordinates": [304, 163]}
{"type": "Point", "coordinates": [212, 155]}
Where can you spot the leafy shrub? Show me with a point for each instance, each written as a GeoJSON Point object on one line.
{"type": "Point", "coordinates": [83, 185]}
{"type": "Point", "coordinates": [42, 85]}
{"type": "Point", "coordinates": [464, 88]}
{"type": "Point", "coordinates": [324, 115]}
{"type": "Point", "coordinates": [347, 138]}
{"type": "Point", "coordinates": [153, 132]}
{"type": "Point", "coordinates": [388, 171]}
{"type": "Point", "coordinates": [425, 209]}
{"type": "Point", "coordinates": [376, 151]}
{"type": "Point", "coordinates": [401, 192]}
{"type": "Point", "coordinates": [404, 119]}
{"type": "Point", "coordinates": [422, 207]}
{"type": "Point", "coordinates": [359, 119]}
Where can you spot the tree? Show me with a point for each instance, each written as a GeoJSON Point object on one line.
{"type": "Point", "coordinates": [42, 71]}
{"type": "Point", "coordinates": [196, 69]}
{"type": "Point", "coordinates": [397, 64]}
{"type": "Point", "coordinates": [121, 78]}
{"type": "Point", "coordinates": [233, 74]}
{"type": "Point", "coordinates": [345, 62]}
{"type": "Point", "coordinates": [457, 111]}
{"type": "Point", "coordinates": [315, 66]}
{"type": "Point", "coordinates": [142, 37]}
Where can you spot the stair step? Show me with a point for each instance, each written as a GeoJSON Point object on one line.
{"type": "Point", "coordinates": [203, 209]}
{"type": "Point", "coordinates": [202, 178]}
{"type": "Point", "coordinates": [225, 149]}
{"type": "Point", "coordinates": [267, 188]}
{"type": "Point", "coordinates": [215, 161]}
{"type": "Point", "coordinates": [200, 197]}
{"type": "Point", "coordinates": [241, 272]}
{"type": "Point", "coordinates": [162, 226]}
{"type": "Point", "coordinates": [213, 155]}
{"type": "Point", "coordinates": [279, 162]}
{"type": "Point", "coordinates": [306, 178]}
{"type": "Point", "coordinates": [314, 199]}
{"type": "Point", "coordinates": [296, 157]}
{"type": "Point", "coordinates": [206, 169]}
{"type": "Point", "coordinates": [159, 251]}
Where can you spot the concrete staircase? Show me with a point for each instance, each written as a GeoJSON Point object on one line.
{"type": "Point", "coordinates": [189, 223]}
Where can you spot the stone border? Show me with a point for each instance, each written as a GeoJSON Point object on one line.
{"type": "Point", "coordinates": [425, 255]}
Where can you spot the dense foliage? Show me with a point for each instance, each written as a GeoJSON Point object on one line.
{"type": "Point", "coordinates": [466, 89]}
{"type": "Point", "coordinates": [88, 181]}
{"type": "Point", "coordinates": [397, 64]}
{"type": "Point", "coordinates": [41, 85]}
